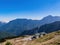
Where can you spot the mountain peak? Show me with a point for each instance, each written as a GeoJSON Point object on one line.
{"type": "Point", "coordinates": [48, 17]}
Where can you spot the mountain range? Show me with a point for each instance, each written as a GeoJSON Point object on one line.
{"type": "Point", "coordinates": [28, 26]}
{"type": "Point", "coordinates": [2, 23]}
{"type": "Point", "coordinates": [55, 26]}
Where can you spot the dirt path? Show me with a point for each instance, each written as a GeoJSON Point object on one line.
{"type": "Point", "coordinates": [24, 41]}
{"type": "Point", "coordinates": [17, 41]}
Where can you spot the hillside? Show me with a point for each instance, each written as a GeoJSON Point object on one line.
{"type": "Point", "coordinates": [48, 28]}
{"type": "Point", "coordinates": [18, 26]}
{"type": "Point", "coordinates": [49, 39]}
{"type": "Point", "coordinates": [30, 32]}
{"type": "Point", "coordinates": [5, 35]}
{"type": "Point", "coordinates": [2, 23]}
{"type": "Point", "coordinates": [55, 26]}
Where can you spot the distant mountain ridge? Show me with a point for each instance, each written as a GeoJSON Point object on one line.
{"type": "Point", "coordinates": [48, 28]}
{"type": "Point", "coordinates": [2, 23]}
{"type": "Point", "coordinates": [18, 26]}
{"type": "Point", "coordinates": [49, 19]}
{"type": "Point", "coordinates": [55, 26]}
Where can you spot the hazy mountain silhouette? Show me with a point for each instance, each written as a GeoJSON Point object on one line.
{"type": "Point", "coordinates": [2, 23]}
{"type": "Point", "coordinates": [18, 26]}
{"type": "Point", "coordinates": [30, 32]}
{"type": "Point", "coordinates": [55, 26]}
{"type": "Point", "coordinates": [49, 19]}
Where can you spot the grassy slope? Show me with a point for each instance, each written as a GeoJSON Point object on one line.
{"type": "Point", "coordinates": [49, 39]}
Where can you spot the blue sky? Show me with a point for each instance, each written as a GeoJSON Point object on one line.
{"type": "Point", "coordinates": [30, 9]}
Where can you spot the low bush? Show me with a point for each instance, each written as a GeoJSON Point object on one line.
{"type": "Point", "coordinates": [8, 43]}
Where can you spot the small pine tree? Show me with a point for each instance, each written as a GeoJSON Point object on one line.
{"type": "Point", "coordinates": [8, 43]}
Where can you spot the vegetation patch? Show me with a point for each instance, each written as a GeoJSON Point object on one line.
{"type": "Point", "coordinates": [8, 43]}
{"type": "Point", "coordinates": [48, 36]}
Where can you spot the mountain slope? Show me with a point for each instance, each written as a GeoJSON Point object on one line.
{"type": "Point", "coordinates": [50, 27]}
{"type": "Point", "coordinates": [5, 35]}
{"type": "Point", "coordinates": [48, 19]}
{"type": "Point", "coordinates": [49, 39]}
{"type": "Point", "coordinates": [55, 26]}
{"type": "Point", "coordinates": [30, 32]}
{"type": "Point", "coordinates": [18, 26]}
{"type": "Point", "coordinates": [2, 23]}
